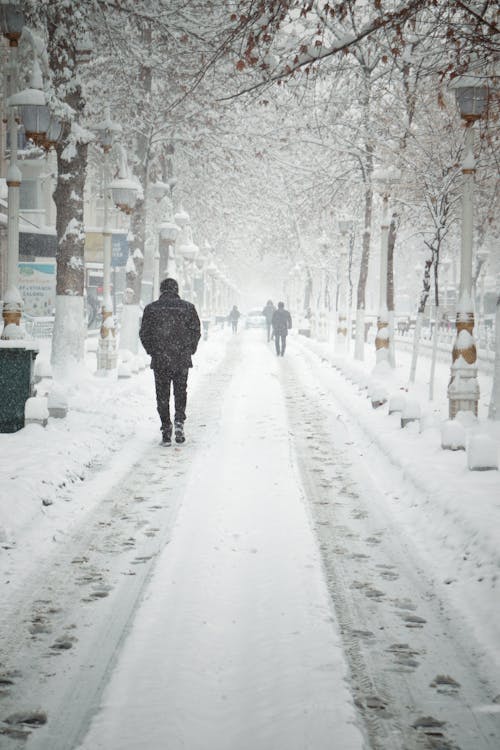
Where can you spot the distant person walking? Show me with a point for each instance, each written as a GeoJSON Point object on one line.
{"type": "Point", "coordinates": [233, 317]}
{"type": "Point", "coordinates": [268, 313]}
{"type": "Point", "coordinates": [281, 322]}
{"type": "Point", "coordinates": [170, 332]}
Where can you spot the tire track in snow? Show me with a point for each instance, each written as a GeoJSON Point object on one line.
{"type": "Point", "coordinates": [416, 682]}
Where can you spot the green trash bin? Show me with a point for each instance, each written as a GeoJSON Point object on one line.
{"type": "Point", "coordinates": [16, 384]}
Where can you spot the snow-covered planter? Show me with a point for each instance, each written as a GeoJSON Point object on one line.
{"type": "Point", "coordinates": [410, 413]}
{"type": "Point", "coordinates": [36, 411]}
{"type": "Point", "coordinates": [91, 345]}
{"type": "Point", "coordinates": [57, 404]}
{"type": "Point", "coordinates": [124, 370]}
{"type": "Point", "coordinates": [453, 435]}
{"type": "Point", "coordinates": [378, 396]}
{"type": "Point", "coordinates": [467, 418]}
{"type": "Point", "coordinates": [42, 370]}
{"type": "Point", "coordinates": [397, 403]}
{"type": "Point", "coordinates": [482, 453]}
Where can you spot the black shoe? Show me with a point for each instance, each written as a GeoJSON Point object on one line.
{"type": "Point", "coordinates": [166, 436]}
{"type": "Point", "coordinates": [179, 433]}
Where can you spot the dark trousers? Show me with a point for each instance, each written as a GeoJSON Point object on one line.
{"type": "Point", "coordinates": [280, 342]}
{"type": "Point", "coordinates": [234, 325]}
{"type": "Point", "coordinates": [178, 380]}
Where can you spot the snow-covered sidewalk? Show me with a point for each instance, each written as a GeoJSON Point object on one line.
{"type": "Point", "coordinates": [236, 645]}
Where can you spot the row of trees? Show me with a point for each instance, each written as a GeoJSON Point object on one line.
{"type": "Point", "coordinates": [276, 115]}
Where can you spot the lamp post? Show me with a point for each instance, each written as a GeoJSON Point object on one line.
{"type": "Point", "coordinates": [107, 131]}
{"type": "Point", "coordinates": [187, 250]}
{"type": "Point", "coordinates": [463, 389]}
{"type": "Point", "coordinates": [168, 232]}
{"type": "Point", "coordinates": [12, 21]}
{"type": "Point", "coordinates": [124, 192]}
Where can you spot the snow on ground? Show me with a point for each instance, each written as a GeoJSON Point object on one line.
{"type": "Point", "coordinates": [203, 588]}
{"type": "Point", "coordinates": [451, 513]}
{"type": "Point", "coordinates": [236, 645]}
{"type": "Point", "coordinates": [107, 417]}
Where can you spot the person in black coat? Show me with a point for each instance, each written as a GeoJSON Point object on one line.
{"type": "Point", "coordinates": [170, 332]}
{"type": "Point", "coordinates": [282, 322]}
{"type": "Point", "coordinates": [234, 316]}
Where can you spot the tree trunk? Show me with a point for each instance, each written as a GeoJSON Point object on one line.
{"type": "Point", "coordinates": [391, 242]}
{"type": "Point", "coordinates": [69, 334]}
{"type": "Point", "coordinates": [420, 315]}
{"type": "Point", "coordinates": [435, 340]}
{"type": "Point", "coordinates": [363, 269]}
{"type": "Point", "coordinates": [69, 328]}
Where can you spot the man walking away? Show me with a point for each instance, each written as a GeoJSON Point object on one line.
{"type": "Point", "coordinates": [268, 313]}
{"type": "Point", "coordinates": [282, 322]}
{"type": "Point", "coordinates": [170, 332]}
{"type": "Point", "coordinates": [234, 317]}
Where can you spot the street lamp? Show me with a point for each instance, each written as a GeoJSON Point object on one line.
{"type": "Point", "coordinates": [11, 23]}
{"type": "Point", "coordinates": [168, 232]}
{"type": "Point", "coordinates": [32, 107]}
{"type": "Point", "coordinates": [106, 132]}
{"type": "Point", "coordinates": [16, 361]}
{"type": "Point", "coordinates": [186, 249]}
{"type": "Point", "coordinates": [463, 390]}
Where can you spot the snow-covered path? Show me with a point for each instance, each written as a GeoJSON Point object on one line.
{"type": "Point", "coordinates": [236, 645]}
{"type": "Point", "coordinates": [300, 574]}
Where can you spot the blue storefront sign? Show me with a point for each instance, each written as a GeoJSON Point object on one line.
{"type": "Point", "coordinates": [119, 250]}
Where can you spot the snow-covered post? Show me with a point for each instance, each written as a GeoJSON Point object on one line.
{"type": "Point", "coordinates": [106, 131]}
{"type": "Point", "coordinates": [125, 192]}
{"type": "Point", "coordinates": [168, 232]}
{"type": "Point", "coordinates": [463, 389]}
{"type": "Point", "coordinates": [12, 22]}
{"type": "Point", "coordinates": [187, 250]}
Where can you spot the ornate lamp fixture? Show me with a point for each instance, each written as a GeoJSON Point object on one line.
{"type": "Point", "coordinates": [32, 107]}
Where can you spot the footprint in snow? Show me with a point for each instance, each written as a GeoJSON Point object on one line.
{"type": "Point", "coordinates": [63, 643]}
{"type": "Point", "coordinates": [413, 621]}
{"type": "Point", "coordinates": [445, 684]}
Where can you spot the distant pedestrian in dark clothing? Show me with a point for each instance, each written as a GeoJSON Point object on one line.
{"type": "Point", "coordinates": [234, 317]}
{"type": "Point", "coordinates": [170, 331]}
{"type": "Point", "coordinates": [282, 322]}
{"type": "Point", "coordinates": [268, 313]}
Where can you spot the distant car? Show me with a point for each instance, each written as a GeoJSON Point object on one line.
{"type": "Point", "coordinates": [255, 319]}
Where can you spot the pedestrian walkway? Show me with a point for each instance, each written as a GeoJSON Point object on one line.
{"type": "Point", "coordinates": [236, 646]}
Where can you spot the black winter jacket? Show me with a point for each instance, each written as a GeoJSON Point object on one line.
{"type": "Point", "coordinates": [282, 321]}
{"type": "Point", "coordinates": [170, 331]}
